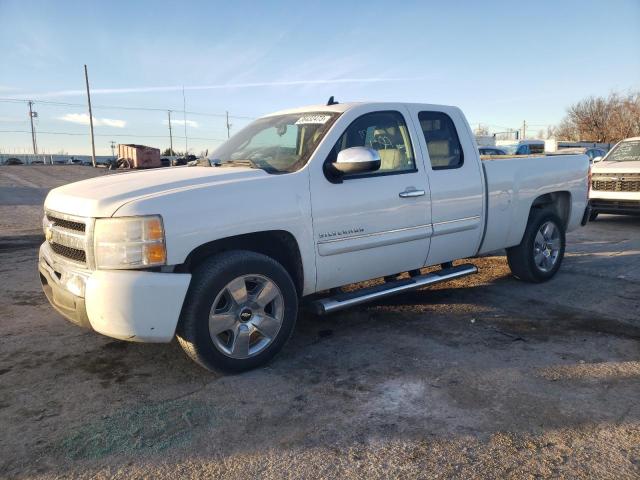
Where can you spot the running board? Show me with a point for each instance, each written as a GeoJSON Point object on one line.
{"type": "Point", "coordinates": [337, 302]}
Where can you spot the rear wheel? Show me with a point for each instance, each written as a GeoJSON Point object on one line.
{"type": "Point", "coordinates": [540, 254]}
{"type": "Point", "coordinates": [239, 312]}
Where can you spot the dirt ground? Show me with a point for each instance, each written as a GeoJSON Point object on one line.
{"type": "Point", "coordinates": [481, 377]}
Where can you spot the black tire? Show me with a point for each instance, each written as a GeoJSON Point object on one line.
{"type": "Point", "coordinates": [209, 279]}
{"type": "Point", "coordinates": [593, 215]}
{"type": "Point", "coordinates": [521, 258]}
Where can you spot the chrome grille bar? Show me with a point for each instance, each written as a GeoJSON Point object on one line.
{"type": "Point", "coordinates": [69, 236]}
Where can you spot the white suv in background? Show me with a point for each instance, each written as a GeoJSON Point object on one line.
{"type": "Point", "coordinates": [615, 182]}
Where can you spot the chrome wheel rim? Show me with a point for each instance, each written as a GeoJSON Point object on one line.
{"type": "Point", "coordinates": [246, 316]}
{"type": "Point", "coordinates": [546, 246]}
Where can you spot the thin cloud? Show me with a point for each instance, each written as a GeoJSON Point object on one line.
{"type": "Point", "coordinates": [220, 86]}
{"type": "Point", "coordinates": [83, 119]}
{"type": "Point", "coordinates": [190, 123]}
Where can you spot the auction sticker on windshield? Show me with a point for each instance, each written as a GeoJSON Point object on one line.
{"type": "Point", "coordinates": [317, 119]}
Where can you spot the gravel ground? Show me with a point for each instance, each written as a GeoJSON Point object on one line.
{"type": "Point", "coordinates": [481, 377]}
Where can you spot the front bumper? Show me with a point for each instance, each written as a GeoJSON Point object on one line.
{"type": "Point", "coordinates": [129, 305]}
{"type": "Point", "coordinates": [69, 305]}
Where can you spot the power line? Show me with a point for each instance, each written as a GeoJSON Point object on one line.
{"type": "Point", "coordinates": [122, 107]}
{"type": "Point", "coordinates": [113, 135]}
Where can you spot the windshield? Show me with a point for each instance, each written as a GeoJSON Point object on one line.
{"type": "Point", "coordinates": [277, 144]}
{"type": "Point", "coordinates": [625, 152]}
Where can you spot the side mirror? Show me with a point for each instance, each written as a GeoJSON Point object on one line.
{"type": "Point", "coordinates": [357, 160]}
{"type": "Point", "coordinates": [597, 159]}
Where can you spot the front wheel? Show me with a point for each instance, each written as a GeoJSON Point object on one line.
{"type": "Point", "coordinates": [540, 254]}
{"type": "Point", "coordinates": [593, 215]}
{"type": "Point", "coordinates": [239, 312]}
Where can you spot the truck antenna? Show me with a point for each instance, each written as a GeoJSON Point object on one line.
{"type": "Point", "coordinates": [331, 101]}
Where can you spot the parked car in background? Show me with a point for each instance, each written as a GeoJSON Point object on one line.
{"type": "Point", "coordinates": [491, 151]}
{"type": "Point", "coordinates": [592, 153]}
{"type": "Point", "coordinates": [615, 180]}
{"type": "Point", "coordinates": [522, 147]}
{"type": "Point", "coordinates": [183, 160]}
{"type": "Point", "coordinates": [221, 255]}
{"type": "Point", "coordinates": [14, 161]}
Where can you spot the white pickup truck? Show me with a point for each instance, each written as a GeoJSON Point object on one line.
{"type": "Point", "coordinates": [293, 207]}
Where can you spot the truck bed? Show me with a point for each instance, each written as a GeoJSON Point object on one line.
{"type": "Point", "coordinates": [513, 183]}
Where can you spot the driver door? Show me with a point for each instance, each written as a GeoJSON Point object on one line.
{"type": "Point", "coordinates": [377, 223]}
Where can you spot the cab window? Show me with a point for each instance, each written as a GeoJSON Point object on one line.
{"type": "Point", "coordinates": [385, 132]}
{"type": "Point", "coordinates": [442, 140]}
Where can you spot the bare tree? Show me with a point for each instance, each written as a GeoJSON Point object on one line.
{"type": "Point", "coordinates": [599, 119]}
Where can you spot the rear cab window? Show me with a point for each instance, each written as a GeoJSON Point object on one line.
{"type": "Point", "coordinates": [441, 137]}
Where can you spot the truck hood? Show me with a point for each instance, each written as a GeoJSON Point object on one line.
{"type": "Point", "coordinates": [102, 196]}
{"type": "Point", "coordinates": [617, 167]}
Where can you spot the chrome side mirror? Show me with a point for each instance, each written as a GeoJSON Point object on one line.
{"type": "Point", "coordinates": [597, 159]}
{"type": "Point", "coordinates": [357, 160]}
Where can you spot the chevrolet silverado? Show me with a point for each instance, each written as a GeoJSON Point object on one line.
{"type": "Point", "coordinates": [293, 207]}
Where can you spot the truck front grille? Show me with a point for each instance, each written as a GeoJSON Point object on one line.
{"type": "Point", "coordinates": [68, 224]}
{"type": "Point", "coordinates": [67, 236]}
{"type": "Point", "coordinates": [68, 252]}
{"type": "Point", "coordinates": [624, 182]}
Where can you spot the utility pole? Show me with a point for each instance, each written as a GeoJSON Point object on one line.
{"type": "Point", "coordinates": [228, 126]}
{"type": "Point", "coordinates": [33, 132]}
{"type": "Point", "coordinates": [170, 134]}
{"type": "Point", "coordinates": [184, 117]}
{"type": "Point", "coordinates": [524, 129]}
{"type": "Point", "coordinates": [113, 149]}
{"type": "Point", "coordinates": [93, 145]}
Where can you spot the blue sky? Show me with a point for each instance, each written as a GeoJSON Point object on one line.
{"type": "Point", "coordinates": [501, 62]}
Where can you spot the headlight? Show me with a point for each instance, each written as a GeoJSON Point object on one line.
{"type": "Point", "coordinates": [129, 242]}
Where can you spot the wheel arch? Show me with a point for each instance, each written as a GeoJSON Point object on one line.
{"type": "Point", "coordinates": [280, 245]}
{"type": "Point", "coordinates": [559, 202]}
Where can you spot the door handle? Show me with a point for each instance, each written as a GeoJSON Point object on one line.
{"type": "Point", "coordinates": [412, 193]}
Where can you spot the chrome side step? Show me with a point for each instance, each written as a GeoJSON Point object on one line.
{"type": "Point", "coordinates": [337, 302]}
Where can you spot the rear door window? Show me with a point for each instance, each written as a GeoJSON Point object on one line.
{"type": "Point", "coordinates": [442, 140]}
